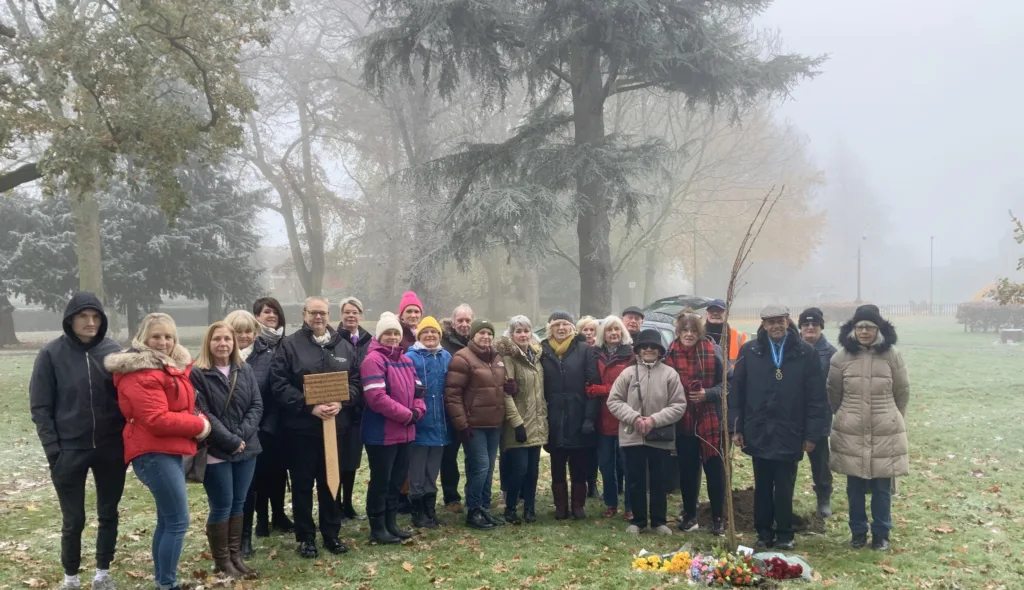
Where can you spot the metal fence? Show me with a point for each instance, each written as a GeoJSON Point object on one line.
{"type": "Point", "coordinates": [888, 310]}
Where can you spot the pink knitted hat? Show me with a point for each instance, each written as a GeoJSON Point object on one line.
{"type": "Point", "coordinates": [409, 298]}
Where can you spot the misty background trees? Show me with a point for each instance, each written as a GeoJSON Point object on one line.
{"type": "Point", "coordinates": [520, 156]}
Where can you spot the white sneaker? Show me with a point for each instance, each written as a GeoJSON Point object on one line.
{"type": "Point", "coordinates": [664, 530]}
{"type": "Point", "coordinates": [633, 529]}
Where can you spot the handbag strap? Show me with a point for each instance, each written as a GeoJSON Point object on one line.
{"type": "Point", "coordinates": [639, 392]}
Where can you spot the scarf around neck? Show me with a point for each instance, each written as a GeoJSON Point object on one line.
{"type": "Point", "coordinates": [321, 340]}
{"type": "Point", "coordinates": [271, 335]}
{"type": "Point", "coordinates": [562, 347]}
{"type": "Point", "coordinates": [245, 352]}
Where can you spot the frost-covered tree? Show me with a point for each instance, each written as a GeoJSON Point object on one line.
{"type": "Point", "coordinates": [560, 167]}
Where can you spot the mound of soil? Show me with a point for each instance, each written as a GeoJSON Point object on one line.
{"type": "Point", "coordinates": [743, 510]}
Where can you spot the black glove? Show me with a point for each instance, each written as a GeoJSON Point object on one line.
{"type": "Point", "coordinates": [511, 388]}
{"type": "Point", "coordinates": [415, 418]}
{"type": "Point", "coordinates": [420, 392]}
{"type": "Point", "coordinates": [520, 434]}
{"type": "Point", "coordinates": [588, 427]}
{"type": "Point", "coordinates": [52, 457]}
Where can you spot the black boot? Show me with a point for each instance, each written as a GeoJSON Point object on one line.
{"type": "Point", "coordinates": [859, 541]}
{"type": "Point", "coordinates": [511, 517]}
{"type": "Point", "coordinates": [824, 503]}
{"type": "Point", "coordinates": [879, 543]}
{"type": "Point", "coordinates": [404, 507]}
{"type": "Point", "coordinates": [247, 549]}
{"type": "Point", "coordinates": [529, 514]}
{"type": "Point", "coordinates": [379, 532]}
{"type": "Point", "coordinates": [490, 517]}
{"type": "Point", "coordinates": [475, 519]}
{"type": "Point", "coordinates": [420, 518]}
{"type": "Point", "coordinates": [262, 525]}
{"type": "Point", "coordinates": [282, 523]}
{"type": "Point", "coordinates": [350, 512]}
{"type": "Point", "coordinates": [430, 506]}
{"type": "Point", "coordinates": [391, 523]}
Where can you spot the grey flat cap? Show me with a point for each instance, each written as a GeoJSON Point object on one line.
{"type": "Point", "coordinates": [774, 311]}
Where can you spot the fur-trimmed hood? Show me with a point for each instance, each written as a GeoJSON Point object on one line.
{"type": "Point", "coordinates": [510, 350]}
{"type": "Point", "coordinates": [886, 337]}
{"type": "Point", "coordinates": [140, 357]}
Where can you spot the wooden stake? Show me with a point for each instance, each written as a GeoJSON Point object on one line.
{"type": "Point", "coordinates": [326, 388]}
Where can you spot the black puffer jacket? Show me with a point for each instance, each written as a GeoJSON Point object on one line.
{"type": "Point", "coordinates": [776, 416]}
{"type": "Point", "coordinates": [234, 421]}
{"type": "Point", "coordinates": [572, 416]}
{"type": "Point", "coordinates": [299, 355]}
{"type": "Point", "coordinates": [825, 351]}
{"type": "Point", "coordinates": [260, 359]}
{"type": "Point", "coordinates": [71, 394]}
{"type": "Point", "coordinates": [362, 346]}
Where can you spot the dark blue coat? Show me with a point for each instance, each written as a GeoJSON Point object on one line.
{"type": "Point", "coordinates": [260, 358]}
{"type": "Point", "coordinates": [432, 369]}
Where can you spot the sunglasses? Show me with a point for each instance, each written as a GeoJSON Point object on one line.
{"type": "Point", "coordinates": [649, 347]}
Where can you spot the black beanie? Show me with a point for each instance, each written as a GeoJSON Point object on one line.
{"type": "Point", "coordinates": [869, 313]}
{"type": "Point", "coordinates": [812, 315]}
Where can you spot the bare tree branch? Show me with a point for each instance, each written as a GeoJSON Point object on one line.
{"type": "Point", "coordinates": [19, 176]}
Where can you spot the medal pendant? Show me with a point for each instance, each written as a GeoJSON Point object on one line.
{"type": "Point", "coordinates": [778, 374]}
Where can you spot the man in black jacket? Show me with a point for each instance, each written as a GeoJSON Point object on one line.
{"type": "Point", "coordinates": [454, 337]}
{"type": "Point", "coordinates": [316, 348]}
{"type": "Point", "coordinates": [777, 411]}
{"type": "Point", "coordinates": [812, 325]}
{"type": "Point", "coordinates": [74, 407]}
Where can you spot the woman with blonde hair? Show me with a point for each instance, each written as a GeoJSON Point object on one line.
{"type": "Point", "coordinates": [588, 326]}
{"type": "Point", "coordinates": [162, 426]}
{"type": "Point", "coordinates": [228, 394]}
{"type": "Point", "coordinates": [246, 328]}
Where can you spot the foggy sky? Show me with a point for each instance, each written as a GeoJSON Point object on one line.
{"type": "Point", "coordinates": [927, 94]}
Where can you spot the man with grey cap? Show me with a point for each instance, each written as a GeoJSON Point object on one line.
{"type": "Point", "coordinates": [777, 411]}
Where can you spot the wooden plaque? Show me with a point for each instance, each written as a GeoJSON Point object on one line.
{"type": "Point", "coordinates": [324, 388]}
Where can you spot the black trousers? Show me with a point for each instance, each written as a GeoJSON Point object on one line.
{"type": "Point", "coordinates": [690, 465]}
{"type": "Point", "coordinates": [269, 481]}
{"type": "Point", "coordinates": [306, 463]}
{"type": "Point", "coordinates": [69, 471]}
{"type": "Point", "coordinates": [773, 499]}
{"type": "Point", "coordinates": [450, 472]}
{"type": "Point", "coordinates": [646, 464]}
{"type": "Point", "coordinates": [819, 467]}
{"type": "Point", "coordinates": [389, 468]}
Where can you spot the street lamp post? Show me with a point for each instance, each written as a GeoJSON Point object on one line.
{"type": "Point", "coordinates": [931, 277]}
{"type": "Point", "coordinates": [859, 248]}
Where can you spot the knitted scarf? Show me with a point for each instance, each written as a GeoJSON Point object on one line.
{"type": "Point", "coordinates": [700, 419]}
{"type": "Point", "coordinates": [271, 335]}
{"type": "Point", "coordinates": [560, 348]}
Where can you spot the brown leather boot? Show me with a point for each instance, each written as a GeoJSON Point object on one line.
{"type": "Point", "coordinates": [560, 491]}
{"type": "Point", "coordinates": [217, 535]}
{"type": "Point", "coordinates": [235, 546]}
{"type": "Point", "coordinates": [579, 500]}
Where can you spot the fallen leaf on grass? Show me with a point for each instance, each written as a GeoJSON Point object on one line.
{"type": "Point", "coordinates": [500, 568]}
{"type": "Point", "coordinates": [136, 574]}
{"type": "Point", "coordinates": [407, 567]}
{"type": "Point", "coordinates": [993, 490]}
{"type": "Point", "coordinates": [890, 570]}
{"type": "Point", "coordinates": [944, 529]}
{"type": "Point", "coordinates": [36, 583]}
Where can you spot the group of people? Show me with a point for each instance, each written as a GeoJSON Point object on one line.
{"type": "Point", "coordinates": [595, 395]}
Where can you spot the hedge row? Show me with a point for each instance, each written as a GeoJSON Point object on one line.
{"type": "Point", "coordinates": [988, 315]}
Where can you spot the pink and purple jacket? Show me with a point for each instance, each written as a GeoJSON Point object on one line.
{"type": "Point", "coordinates": [389, 389]}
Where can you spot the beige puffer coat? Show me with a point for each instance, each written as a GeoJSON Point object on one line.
{"type": "Point", "coordinates": [527, 408]}
{"type": "Point", "coordinates": [868, 389]}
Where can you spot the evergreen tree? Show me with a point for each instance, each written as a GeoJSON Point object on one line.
{"type": "Point", "coordinates": [560, 166]}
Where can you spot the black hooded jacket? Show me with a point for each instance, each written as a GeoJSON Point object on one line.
{"type": "Point", "coordinates": [362, 346]}
{"type": "Point", "coordinates": [572, 416]}
{"type": "Point", "coordinates": [776, 416]}
{"type": "Point", "coordinates": [72, 395]}
{"type": "Point", "coordinates": [299, 355]}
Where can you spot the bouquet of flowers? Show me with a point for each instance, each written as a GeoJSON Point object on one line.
{"type": "Point", "coordinates": [779, 569]}
{"type": "Point", "coordinates": [734, 570]}
{"type": "Point", "coordinates": [674, 563]}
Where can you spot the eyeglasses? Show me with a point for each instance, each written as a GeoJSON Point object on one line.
{"type": "Point", "coordinates": [866, 328]}
{"type": "Point", "coordinates": [649, 347]}
{"type": "Point", "coordinates": [317, 314]}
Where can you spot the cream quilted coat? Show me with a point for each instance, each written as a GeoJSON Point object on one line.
{"type": "Point", "coordinates": [868, 390]}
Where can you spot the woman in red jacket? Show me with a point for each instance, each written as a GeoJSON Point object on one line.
{"type": "Point", "coordinates": [162, 426]}
{"type": "Point", "coordinates": [614, 352]}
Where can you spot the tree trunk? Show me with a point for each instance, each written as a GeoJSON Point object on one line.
{"type": "Point", "coordinates": [310, 197]}
{"type": "Point", "coordinates": [87, 242]}
{"type": "Point", "coordinates": [214, 307]}
{"type": "Point", "coordinates": [7, 335]}
{"type": "Point", "coordinates": [593, 226]}
{"type": "Point", "coordinates": [132, 317]}
{"type": "Point", "coordinates": [494, 291]}
{"type": "Point", "coordinates": [533, 293]}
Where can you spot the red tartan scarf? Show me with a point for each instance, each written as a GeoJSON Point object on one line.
{"type": "Point", "coordinates": [700, 419]}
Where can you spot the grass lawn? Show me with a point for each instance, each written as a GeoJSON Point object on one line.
{"type": "Point", "coordinates": [958, 518]}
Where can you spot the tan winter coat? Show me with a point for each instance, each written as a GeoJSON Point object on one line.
{"type": "Point", "coordinates": [868, 390]}
{"type": "Point", "coordinates": [663, 399]}
{"type": "Point", "coordinates": [528, 408]}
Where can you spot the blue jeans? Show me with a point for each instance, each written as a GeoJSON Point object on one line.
{"type": "Point", "coordinates": [521, 468]}
{"type": "Point", "coordinates": [226, 486]}
{"type": "Point", "coordinates": [612, 462]}
{"type": "Point", "coordinates": [164, 476]}
{"type": "Point", "coordinates": [481, 451]}
{"type": "Point", "coordinates": [881, 502]}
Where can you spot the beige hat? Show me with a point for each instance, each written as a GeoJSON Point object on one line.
{"type": "Point", "coordinates": [774, 311]}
